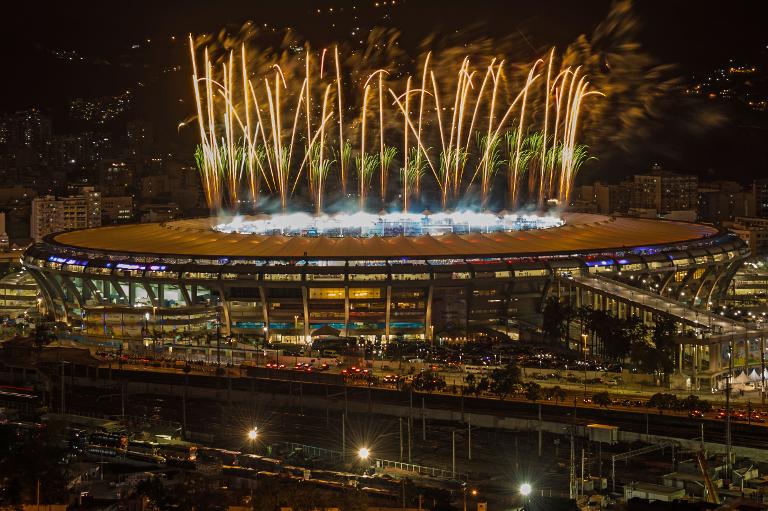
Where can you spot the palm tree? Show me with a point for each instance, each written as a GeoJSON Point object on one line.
{"type": "Point", "coordinates": [557, 393]}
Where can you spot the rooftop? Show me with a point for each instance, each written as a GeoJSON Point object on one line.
{"type": "Point", "coordinates": [582, 233]}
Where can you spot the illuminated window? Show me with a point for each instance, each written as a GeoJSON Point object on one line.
{"type": "Point", "coordinates": [282, 276]}
{"type": "Point", "coordinates": [325, 276]}
{"type": "Point", "coordinates": [367, 276]}
{"type": "Point", "coordinates": [326, 293]}
{"type": "Point", "coordinates": [410, 276]}
{"type": "Point", "coordinates": [364, 292]}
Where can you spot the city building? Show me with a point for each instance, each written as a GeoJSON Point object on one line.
{"type": "Point", "coordinates": [28, 128]}
{"type": "Point", "coordinates": [115, 177]}
{"type": "Point", "coordinates": [19, 294]}
{"type": "Point", "coordinates": [5, 242]}
{"type": "Point", "coordinates": [140, 135]}
{"type": "Point", "coordinates": [51, 214]}
{"type": "Point", "coordinates": [754, 232]}
{"type": "Point", "coordinates": [613, 199]}
{"type": "Point", "coordinates": [173, 183]}
{"type": "Point", "coordinates": [663, 192]}
{"type": "Point", "coordinates": [722, 201]}
{"type": "Point", "coordinates": [760, 192]}
{"type": "Point", "coordinates": [116, 210]}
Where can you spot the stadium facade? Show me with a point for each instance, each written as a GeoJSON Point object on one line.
{"type": "Point", "coordinates": [184, 276]}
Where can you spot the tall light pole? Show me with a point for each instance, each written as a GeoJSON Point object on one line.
{"type": "Point", "coordinates": [584, 348]}
{"type": "Point", "coordinates": [525, 491]}
{"type": "Point", "coordinates": [252, 434]}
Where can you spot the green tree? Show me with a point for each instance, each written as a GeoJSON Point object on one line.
{"type": "Point", "coordinates": [533, 391]}
{"type": "Point", "coordinates": [470, 384]}
{"type": "Point", "coordinates": [662, 401]}
{"type": "Point", "coordinates": [556, 393]}
{"type": "Point", "coordinates": [27, 457]}
{"type": "Point", "coordinates": [602, 399]}
{"type": "Point", "coordinates": [502, 381]}
{"type": "Point", "coordinates": [482, 386]}
{"type": "Point", "coordinates": [555, 317]}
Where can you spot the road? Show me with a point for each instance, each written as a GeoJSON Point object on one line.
{"type": "Point", "coordinates": [629, 419]}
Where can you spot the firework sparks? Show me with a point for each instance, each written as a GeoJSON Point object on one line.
{"type": "Point", "coordinates": [246, 145]}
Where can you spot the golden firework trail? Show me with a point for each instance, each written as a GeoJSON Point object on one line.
{"type": "Point", "coordinates": [248, 149]}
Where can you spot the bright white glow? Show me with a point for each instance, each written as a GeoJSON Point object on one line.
{"type": "Point", "coordinates": [363, 453]}
{"type": "Point", "coordinates": [253, 433]}
{"type": "Point", "coordinates": [525, 489]}
{"type": "Point", "coordinates": [390, 224]}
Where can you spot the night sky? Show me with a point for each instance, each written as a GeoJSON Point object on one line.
{"type": "Point", "coordinates": [695, 36]}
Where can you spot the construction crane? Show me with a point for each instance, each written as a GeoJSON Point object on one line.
{"type": "Point", "coordinates": [711, 492]}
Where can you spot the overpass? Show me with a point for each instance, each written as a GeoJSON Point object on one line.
{"type": "Point", "coordinates": [709, 338]}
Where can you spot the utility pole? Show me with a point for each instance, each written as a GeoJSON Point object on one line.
{"type": "Point", "coordinates": [218, 339]}
{"type": "Point", "coordinates": [572, 472]}
{"type": "Point", "coordinates": [409, 439]}
{"type": "Point", "coordinates": [400, 422]}
{"type": "Point", "coordinates": [469, 437]}
{"type": "Point", "coordinates": [762, 369]}
{"type": "Point", "coordinates": [728, 428]}
{"type": "Point", "coordinates": [540, 434]}
{"type": "Point", "coordinates": [63, 411]}
{"type": "Point", "coordinates": [424, 421]}
{"type": "Point", "coordinates": [453, 453]}
{"type": "Point", "coordinates": [343, 436]}
{"type": "Point", "coordinates": [728, 414]}
{"type": "Point", "coordinates": [583, 459]}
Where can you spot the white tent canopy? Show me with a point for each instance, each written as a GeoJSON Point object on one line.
{"type": "Point", "coordinates": [741, 378]}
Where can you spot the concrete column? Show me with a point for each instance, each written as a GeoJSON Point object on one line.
{"type": "Point", "coordinates": [387, 313]}
{"type": "Point", "coordinates": [680, 360]}
{"type": "Point", "coordinates": [264, 306]}
{"type": "Point", "coordinates": [428, 334]}
{"type": "Point", "coordinates": [305, 303]}
{"type": "Point", "coordinates": [714, 357]}
{"type": "Point", "coordinates": [346, 310]}
{"type": "Point", "coordinates": [695, 368]}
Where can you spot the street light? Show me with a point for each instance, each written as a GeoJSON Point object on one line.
{"type": "Point", "coordinates": [584, 339]}
{"type": "Point", "coordinates": [253, 433]}
{"type": "Point", "coordinates": [525, 489]}
{"type": "Point", "coordinates": [363, 453]}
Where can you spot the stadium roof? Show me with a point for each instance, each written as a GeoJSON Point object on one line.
{"type": "Point", "coordinates": [582, 233]}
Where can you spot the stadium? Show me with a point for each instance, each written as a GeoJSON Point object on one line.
{"type": "Point", "coordinates": [188, 276]}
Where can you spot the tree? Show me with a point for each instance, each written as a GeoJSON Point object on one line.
{"type": "Point", "coordinates": [693, 402]}
{"type": "Point", "coordinates": [658, 353]}
{"type": "Point", "coordinates": [482, 386]}
{"type": "Point", "coordinates": [503, 380]}
{"type": "Point", "coordinates": [554, 319]}
{"type": "Point", "coordinates": [470, 384]}
{"type": "Point", "coordinates": [602, 399]}
{"type": "Point", "coordinates": [31, 456]}
{"type": "Point", "coordinates": [662, 402]}
{"type": "Point", "coordinates": [533, 391]}
{"type": "Point", "coordinates": [556, 393]}
{"type": "Point", "coordinates": [428, 381]}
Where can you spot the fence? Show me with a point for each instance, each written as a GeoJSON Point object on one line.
{"type": "Point", "coordinates": [438, 473]}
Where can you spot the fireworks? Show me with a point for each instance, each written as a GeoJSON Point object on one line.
{"type": "Point", "coordinates": [451, 139]}
{"type": "Point", "coordinates": [363, 224]}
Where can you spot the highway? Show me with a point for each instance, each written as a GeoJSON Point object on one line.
{"type": "Point", "coordinates": [639, 420]}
